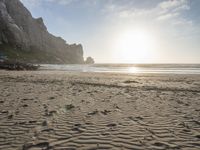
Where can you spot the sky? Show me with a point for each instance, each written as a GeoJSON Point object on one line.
{"type": "Point", "coordinates": [126, 31]}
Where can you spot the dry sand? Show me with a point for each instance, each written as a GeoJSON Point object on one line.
{"type": "Point", "coordinates": [59, 110]}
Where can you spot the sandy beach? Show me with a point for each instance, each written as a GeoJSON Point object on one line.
{"type": "Point", "coordinates": [68, 111]}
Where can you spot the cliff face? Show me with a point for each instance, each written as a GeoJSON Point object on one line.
{"type": "Point", "coordinates": [26, 38]}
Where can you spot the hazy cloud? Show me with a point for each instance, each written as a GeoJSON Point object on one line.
{"type": "Point", "coordinates": [61, 2]}
{"type": "Point", "coordinates": [174, 4]}
{"type": "Point", "coordinates": [34, 3]}
{"type": "Point", "coordinates": [172, 8]}
{"type": "Point", "coordinates": [164, 10]}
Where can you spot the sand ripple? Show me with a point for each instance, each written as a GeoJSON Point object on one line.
{"type": "Point", "coordinates": [91, 111]}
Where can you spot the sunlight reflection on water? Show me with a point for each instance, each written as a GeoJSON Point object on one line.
{"type": "Point", "coordinates": [133, 70]}
{"type": "Point", "coordinates": [162, 69]}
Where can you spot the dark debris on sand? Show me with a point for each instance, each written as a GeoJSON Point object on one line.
{"type": "Point", "coordinates": [15, 65]}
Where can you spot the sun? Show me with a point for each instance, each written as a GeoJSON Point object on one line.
{"type": "Point", "coordinates": [135, 46]}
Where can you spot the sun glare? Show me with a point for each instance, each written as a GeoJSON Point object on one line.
{"type": "Point", "coordinates": [135, 46]}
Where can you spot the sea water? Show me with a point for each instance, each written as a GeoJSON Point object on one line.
{"type": "Point", "coordinates": [127, 68]}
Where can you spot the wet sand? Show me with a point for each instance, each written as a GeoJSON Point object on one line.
{"type": "Point", "coordinates": [69, 111]}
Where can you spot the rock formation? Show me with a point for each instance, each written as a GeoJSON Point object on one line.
{"type": "Point", "coordinates": [23, 37]}
{"type": "Point", "coordinates": [89, 60]}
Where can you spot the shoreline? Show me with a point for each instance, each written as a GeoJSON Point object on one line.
{"type": "Point", "coordinates": [71, 110]}
{"type": "Point", "coordinates": [126, 69]}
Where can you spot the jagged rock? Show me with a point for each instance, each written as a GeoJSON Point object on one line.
{"type": "Point", "coordinates": [89, 60]}
{"type": "Point", "coordinates": [23, 37]}
{"type": "Point", "coordinates": [14, 65]}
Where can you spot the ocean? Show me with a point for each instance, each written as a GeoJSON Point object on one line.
{"type": "Point", "coordinates": [127, 68]}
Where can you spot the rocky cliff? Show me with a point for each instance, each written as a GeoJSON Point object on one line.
{"type": "Point", "coordinates": [23, 37]}
{"type": "Point", "coordinates": [89, 60]}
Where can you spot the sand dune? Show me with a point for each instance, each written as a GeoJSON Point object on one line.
{"type": "Point", "coordinates": [57, 110]}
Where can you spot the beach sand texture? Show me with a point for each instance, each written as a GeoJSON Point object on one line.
{"type": "Point", "coordinates": [69, 111]}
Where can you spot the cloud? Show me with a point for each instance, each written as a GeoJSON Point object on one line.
{"type": "Point", "coordinates": [34, 3]}
{"type": "Point", "coordinates": [61, 2]}
{"type": "Point", "coordinates": [128, 8]}
{"type": "Point", "coordinates": [167, 16]}
{"type": "Point", "coordinates": [174, 4]}
{"type": "Point", "coordinates": [171, 9]}
{"type": "Point", "coordinates": [31, 3]}
{"type": "Point", "coordinates": [166, 10]}
{"type": "Point", "coordinates": [163, 11]}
